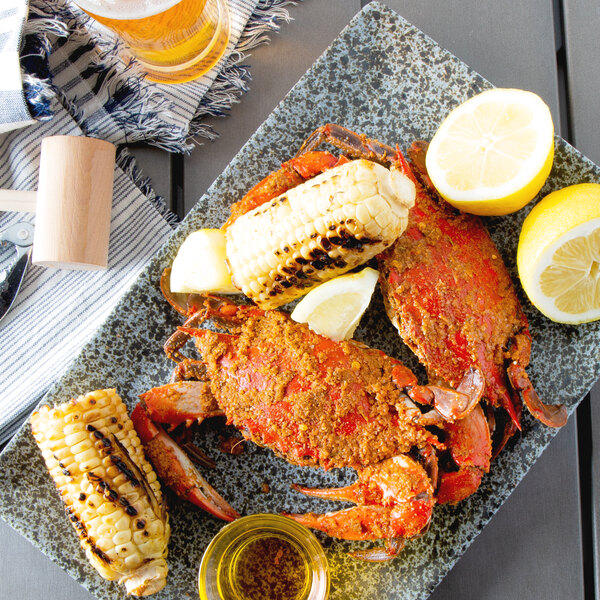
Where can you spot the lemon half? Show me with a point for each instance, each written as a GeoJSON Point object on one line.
{"type": "Point", "coordinates": [558, 257]}
{"type": "Point", "coordinates": [334, 308]}
{"type": "Point", "coordinates": [492, 154]}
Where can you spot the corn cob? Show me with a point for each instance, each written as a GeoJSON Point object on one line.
{"type": "Point", "coordinates": [110, 491]}
{"type": "Point", "coordinates": [317, 230]}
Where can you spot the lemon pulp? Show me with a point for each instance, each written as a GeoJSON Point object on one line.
{"type": "Point", "coordinates": [493, 153]}
{"type": "Point", "coordinates": [200, 265]}
{"type": "Point", "coordinates": [559, 254]}
{"type": "Point", "coordinates": [334, 308]}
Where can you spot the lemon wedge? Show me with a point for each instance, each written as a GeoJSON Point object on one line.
{"type": "Point", "coordinates": [558, 257]}
{"type": "Point", "coordinates": [492, 154]}
{"type": "Point", "coordinates": [201, 265]}
{"type": "Point", "coordinates": [335, 308]}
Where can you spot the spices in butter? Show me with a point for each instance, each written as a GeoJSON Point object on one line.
{"type": "Point", "coordinates": [264, 557]}
{"type": "Point", "coordinates": [265, 567]}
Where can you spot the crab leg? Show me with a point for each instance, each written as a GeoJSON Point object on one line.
{"type": "Point", "coordinates": [353, 144]}
{"type": "Point", "coordinates": [178, 339]}
{"type": "Point", "coordinates": [394, 499]}
{"type": "Point", "coordinates": [185, 304]}
{"type": "Point", "coordinates": [176, 469]}
{"type": "Point", "coordinates": [553, 415]}
{"type": "Point", "coordinates": [181, 402]}
{"type": "Point", "coordinates": [226, 314]}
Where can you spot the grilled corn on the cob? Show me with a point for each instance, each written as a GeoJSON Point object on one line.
{"type": "Point", "coordinates": [317, 230]}
{"type": "Point", "coordinates": [110, 491]}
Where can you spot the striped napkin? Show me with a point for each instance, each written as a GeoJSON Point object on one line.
{"type": "Point", "coordinates": [57, 310]}
{"type": "Point", "coordinates": [76, 84]}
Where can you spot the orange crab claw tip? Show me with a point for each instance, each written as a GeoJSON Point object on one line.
{"type": "Point", "coordinates": [455, 405]}
{"type": "Point", "coordinates": [552, 415]}
{"type": "Point", "coordinates": [144, 427]}
{"type": "Point", "coordinates": [211, 502]}
{"type": "Point", "coordinates": [342, 493]}
{"type": "Point", "coordinates": [193, 331]}
{"type": "Point", "coordinates": [473, 384]}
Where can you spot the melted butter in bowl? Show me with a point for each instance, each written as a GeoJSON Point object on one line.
{"type": "Point", "coordinates": [264, 557]}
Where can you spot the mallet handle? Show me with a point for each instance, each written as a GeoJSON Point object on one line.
{"type": "Point", "coordinates": [17, 200]}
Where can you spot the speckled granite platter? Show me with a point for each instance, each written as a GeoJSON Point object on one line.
{"type": "Point", "coordinates": [385, 78]}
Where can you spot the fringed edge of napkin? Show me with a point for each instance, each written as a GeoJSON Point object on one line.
{"type": "Point", "coordinates": [123, 84]}
{"type": "Point", "coordinates": [231, 82]}
{"type": "Point", "coordinates": [128, 165]}
{"type": "Point", "coordinates": [35, 49]}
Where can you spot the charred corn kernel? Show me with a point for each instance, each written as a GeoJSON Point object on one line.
{"type": "Point", "coordinates": [110, 491]}
{"type": "Point", "coordinates": [318, 230]}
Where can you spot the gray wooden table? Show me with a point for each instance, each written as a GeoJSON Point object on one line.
{"type": "Point", "coordinates": [543, 543]}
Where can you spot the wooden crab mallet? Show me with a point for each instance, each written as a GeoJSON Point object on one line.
{"type": "Point", "coordinates": [72, 204]}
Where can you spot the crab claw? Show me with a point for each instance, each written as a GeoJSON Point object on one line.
{"type": "Point", "coordinates": [552, 415]}
{"type": "Point", "coordinates": [458, 485]}
{"type": "Point", "coordinates": [470, 446]}
{"type": "Point", "coordinates": [175, 468]}
{"type": "Point", "coordinates": [394, 499]}
{"type": "Point", "coordinates": [451, 405]}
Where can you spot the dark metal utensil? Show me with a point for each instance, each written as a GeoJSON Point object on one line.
{"type": "Point", "coordinates": [19, 235]}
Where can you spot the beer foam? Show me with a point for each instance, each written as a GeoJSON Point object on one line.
{"type": "Point", "coordinates": [126, 9]}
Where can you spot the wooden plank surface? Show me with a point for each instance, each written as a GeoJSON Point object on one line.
{"type": "Point", "coordinates": [594, 473]}
{"type": "Point", "coordinates": [581, 26]}
{"type": "Point", "coordinates": [579, 37]}
{"type": "Point", "coordinates": [26, 574]}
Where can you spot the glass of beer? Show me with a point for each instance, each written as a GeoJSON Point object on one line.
{"type": "Point", "coordinates": [174, 40]}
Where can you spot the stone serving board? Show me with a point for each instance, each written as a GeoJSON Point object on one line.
{"type": "Point", "coordinates": [385, 78]}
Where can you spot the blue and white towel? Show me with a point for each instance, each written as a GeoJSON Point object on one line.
{"type": "Point", "coordinates": [14, 108]}
{"type": "Point", "coordinates": [74, 84]}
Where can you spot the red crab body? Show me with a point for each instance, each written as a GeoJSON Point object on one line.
{"type": "Point", "coordinates": [451, 297]}
{"type": "Point", "coordinates": [312, 400]}
{"type": "Point", "coordinates": [317, 402]}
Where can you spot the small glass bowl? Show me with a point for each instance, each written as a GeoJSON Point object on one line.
{"type": "Point", "coordinates": [248, 559]}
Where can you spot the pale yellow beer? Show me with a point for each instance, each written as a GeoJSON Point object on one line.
{"type": "Point", "coordinates": [174, 40]}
